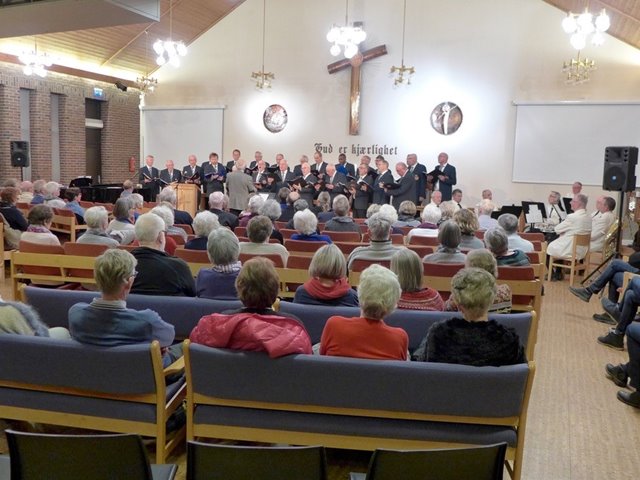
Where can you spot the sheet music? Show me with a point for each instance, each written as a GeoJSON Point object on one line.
{"type": "Point", "coordinates": [534, 215]}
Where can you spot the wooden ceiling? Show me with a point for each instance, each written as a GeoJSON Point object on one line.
{"type": "Point", "coordinates": [129, 48]}
{"type": "Point", "coordinates": [624, 15]}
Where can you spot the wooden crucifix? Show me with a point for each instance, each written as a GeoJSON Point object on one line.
{"type": "Point", "coordinates": [355, 63]}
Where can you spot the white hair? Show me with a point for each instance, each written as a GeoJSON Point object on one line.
{"type": "Point", "coordinates": [378, 292]}
{"type": "Point", "coordinates": [255, 203]}
{"type": "Point", "coordinates": [379, 227]}
{"type": "Point", "coordinates": [137, 200]}
{"type": "Point", "coordinates": [96, 217]}
{"type": "Point", "coordinates": [165, 213]}
{"type": "Point", "coordinates": [486, 206]}
{"type": "Point", "coordinates": [271, 209]}
{"type": "Point", "coordinates": [216, 200]}
{"type": "Point", "coordinates": [204, 223]}
{"type": "Point", "coordinates": [223, 247]}
{"type": "Point", "coordinates": [389, 212]}
{"type": "Point", "coordinates": [148, 227]}
{"type": "Point", "coordinates": [305, 222]}
{"type": "Point", "coordinates": [431, 214]}
{"type": "Point", "coordinates": [168, 194]}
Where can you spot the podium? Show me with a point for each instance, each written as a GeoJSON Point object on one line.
{"type": "Point", "coordinates": [187, 197]}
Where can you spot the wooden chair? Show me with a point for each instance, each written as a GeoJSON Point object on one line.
{"type": "Point", "coordinates": [4, 253]}
{"type": "Point", "coordinates": [85, 250]}
{"type": "Point", "coordinates": [280, 225]}
{"type": "Point", "coordinates": [348, 247]}
{"type": "Point", "coordinates": [193, 256]}
{"type": "Point", "coordinates": [406, 230]}
{"type": "Point", "coordinates": [359, 265]}
{"type": "Point", "coordinates": [64, 221]}
{"type": "Point", "coordinates": [573, 263]}
{"type": "Point", "coordinates": [364, 228]}
{"type": "Point", "coordinates": [179, 239]}
{"type": "Point", "coordinates": [24, 208]}
{"type": "Point", "coordinates": [419, 240]}
{"type": "Point", "coordinates": [287, 232]}
{"type": "Point", "coordinates": [240, 231]}
{"type": "Point", "coordinates": [187, 228]}
{"type": "Point", "coordinates": [299, 263]}
{"type": "Point", "coordinates": [302, 246]}
{"type": "Point", "coordinates": [422, 250]}
{"type": "Point", "coordinates": [440, 276]}
{"type": "Point", "coordinates": [28, 247]}
{"type": "Point", "coordinates": [274, 257]}
{"type": "Point", "coordinates": [128, 248]}
{"type": "Point", "coordinates": [85, 204]}
{"type": "Point", "coordinates": [519, 302]}
{"type": "Point", "coordinates": [533, 237]}
{"type": "Point", "coordinates": [343, 236]}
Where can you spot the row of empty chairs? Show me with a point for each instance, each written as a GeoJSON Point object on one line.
{"type": "Point", "coordinates": [105, 457]}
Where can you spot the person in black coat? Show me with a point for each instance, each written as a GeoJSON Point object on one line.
{"type": "Point", "coordinates": [319, 167]}
{"type": "Point", "coordinates": [335, 182]}
{"type": "Point", "coordinates": [406, 186]}
{"type": "Point", "coordinates": [170, 174]}
{"type": "Point", "coordinates": [192, 173]}
{"type": "Point", "coordinates": [384, 177]}
{"type": "Point", "coordinates": [149, 176]}
{"type": "Point", "coordinates": [214, 175]}
{"type": "Point", "coordinates": [419, 174]}
{"type": "Point", "coordinates": [446, 178]}
{"type": "Point", "coordinates": [344, 167]}
{"type": "Point", "coordinates": [216, 205]}
{"type": "Point", "coordinates": [361, 192]}
{"type": "Point", "coordinates": [236, 156]}
{"type": "Point", "coordinates": [8, 209]}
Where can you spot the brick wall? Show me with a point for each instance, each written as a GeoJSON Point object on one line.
{"type": "Point", "coordinates": [120, 114]}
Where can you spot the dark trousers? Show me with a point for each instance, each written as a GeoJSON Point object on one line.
{"type": "Point", "coordinates": [633, 346]}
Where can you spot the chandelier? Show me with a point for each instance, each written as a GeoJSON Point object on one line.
{"type": "Point", "coordinates": [577, 70]}
{"type": "Point", "coordinates": [34, 62]}
{"type": "Point", "coordinates": [581, 26]}
{"type": "Point", "coordinates": [169, 51]}
{"type": "Point", "coordinates": [262, 78]}
{"type": "Point", "coordinates": [404, 73]}
{"type": "Point", "coordinates": [346, 39]}
{"type": "Point", "coordinates": [146, 84]}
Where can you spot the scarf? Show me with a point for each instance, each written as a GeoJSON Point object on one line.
{"type": "Point", "coordinates": [317, 290]}
{"type": "Point", "coordinates": [230, 268]}
{"type": "Point", "coordinates": [37, 229]}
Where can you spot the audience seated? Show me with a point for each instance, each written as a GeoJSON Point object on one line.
{"type": "Point", "coordinates": [16, 318]}
{"type": "Point", "coordinates": [485, 220]}
{"type": "Point", "coordinates": [72, 197]}
{"type": "Point", "coordinates": [473, 340]}
{"type": "Point", "coordinates": [38, 192]}
{"type": "Point", "coordinates": [324, 207]}
{"type": "Point", "coordinates": [371, 211]}
{"type": "Point", "coordinates": [341, 222]}
{"type": "Point", "coordinates": [166, 215]}
{"type": "Point", "coordinates": [216, 205]}
{"type": "Point", "coordinates": [288, 210]}
{"type": "Point", "coordinates": [168, 195]}
{"type": "Point", "coordinates": [204, 223]}
{"type": "Point", "coordinates": [327, 284]}
{"type": "Point", "coordinates": [218, 282]}
{"type": "Point", "coordinates": [407, 215]}
{"type": "Point", "coordinates": [106, 321]}
{"type": "Point", "coordinates": [40, 218]}
{"type": "Point", "coordinates": [127, 188]}
{"type": "Point", "coordinates": [468, 223]}
{"type": "Point", "coordinates": [122, 222]}
{"type": "Point", "coordinates": [509, 223]}
{"type": "Point", "coordinates": [578, 222]}
{"type": "Point", "coordinates": [158, 272]}
{"type": "Point", "coordinates": [380, 246]}
{"type": "Point", "coordinates": [298, 206]}
{"type": "Point", "coordinates": [137, 202]}
{"type": "Point", "coordinates": [448, 209]}
{"type": "Point", "coordinates": [8, 209]}
{"type": "Point", "coordinates": [306, 224]}
{"type": "Point", "coordinates": [97, 219]}
{"type": "Point", "coordinates": [623, 313]}
{"type": "Point", "coordinates": [26, 192]}
{"type": "Point", "coordinates": [484, 259]}
{"type": "Point", "coordinates": [259, 231]}
{"type": "Point", "coordinates": [448, 251]}
{"type": "Point", "coordinates": [628, 374]}
{"type": "Point", "coordinates": [497, 242]}
{"type": "Point", "coordinates": [255, 327]}
{"type": "Point", "coordinates": [390, 212]}
{"type": "Point", "coordinates": [368, 336]}
{"type": "Point", "coordinates": [253, 210]}
{"type": "Point", "coordinates": [406, 264]}
{"type": "Point", "coordinates": [429, 227]}
{"type": "Point", "coordinates": [52, 198]}
{"type": "Point", "coordinates": [271, 209]}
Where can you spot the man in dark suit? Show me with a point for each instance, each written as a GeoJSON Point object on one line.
{"type": "Point", "coordinates": [335, 182]}
{"type": "Point", "coordinates": [217, 206]}
{"type": "Point", "coordinates": [149, 175]}
{"type": "Point", "coordinates": [361, 192]}
{"type": "Point", "coordinates": [447, 177]}
{"type": "Point", "coordinates": [418, 171]}
{"type": "Point", "coordinates": [344, 167]}
{"type": "Point", "coordinates": [213, 175]}
{"type": "Point", "coordinates": [366, 159]}
{"type": "Point", "coordinates": [236, 156]}
{"type": "Point", "coordinates": [297, 170]}
{"type": "Point", "coordinates": [406, 186]}
{"type": "Point", "coordinates": [192, 173]}
{"type": "Point", "coordinates": [284, 174]}
{"type": "Point", "coordinates": [307, 192]}
{"type": "Point", "coordinates": [257, 157]}
{"type": "Point", "coordinates": [169, 174]}
{"type": "Point", "coordinates": [384, 176]}
{"type": "Point", "coordinates": [319, 166]}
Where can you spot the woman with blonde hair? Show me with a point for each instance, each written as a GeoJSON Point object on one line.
{"type": "Point", "coordinates": [407, 265]}
{"type": "Point", "coordinates": [468, 223]}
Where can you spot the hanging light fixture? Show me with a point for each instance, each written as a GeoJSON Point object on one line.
{"type": "Point", "coordinates": [578, 70]}
{"type": "Point", "coordinates": [146, 83]}
{"type": "Point", "coordinates": [404, 73]}
{"type": "Point", "coordinates": [346, 39]}
{"type": "Point", "coordinates": [35, 63]}
{"type": "Point", "coordinates": [169, 51]}
{"type": "Point", "coordinates": [262, 78]}
{"type": "Point", "coordinates": [581, 26]}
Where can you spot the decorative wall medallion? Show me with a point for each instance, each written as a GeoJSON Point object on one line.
{"type": "Point", "coordinates": [275, 118]}
{"type": "Point", "coordinates": [446, 118]}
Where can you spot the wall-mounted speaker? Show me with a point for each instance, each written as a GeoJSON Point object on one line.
{"type": "Point", "coordinates": [19, 154]}
{"type": "Point", "coordinates": [620, 169]}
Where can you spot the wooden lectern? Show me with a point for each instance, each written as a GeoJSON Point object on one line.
{"type": "Point", "coordinates": [187, 197]}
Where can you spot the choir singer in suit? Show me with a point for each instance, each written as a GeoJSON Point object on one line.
{"type": "Point", "coordinates": [192, 173]}
{"type": "Point", "coordinates": [406, 189]}
{"type": "Point", "coordinates": [419, 174]}
{"type": "Point", "coordinates": [335, 181]}
{"type": "Point", "coordinates": [361, 191]}
{"type": "Point", "coordinates": [170, 174]}
{"type": "Point", "coordinates": [214, 175]}
{"type": "Point", "coordinates": [446, 178]}
{"type": "Point", "coordinates": [149, 176]}
{"type": "Point", "coordinates": [384, 176]}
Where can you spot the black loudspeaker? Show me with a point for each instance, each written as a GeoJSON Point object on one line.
{"type": "Point", "coordinates": [19, 154]}
{"type": "Point", "coordinates": [620, 169]}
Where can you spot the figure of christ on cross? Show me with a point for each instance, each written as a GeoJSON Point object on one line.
{"type": "Point", "coordinates": [355, 63]}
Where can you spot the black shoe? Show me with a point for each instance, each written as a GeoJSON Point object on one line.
{"type": "Point", "coordinates": [616, 374]}
{"type": "Point", "coordinates": [611, 308]}
{"type": "Point", "coordinates": [630, 398]}
{"type": "Point", "coordinates": [583, 294]}
{"type": "Point", "coordinates": [604, 318]}
{"type": "Point", "coordinates": [613, 340]}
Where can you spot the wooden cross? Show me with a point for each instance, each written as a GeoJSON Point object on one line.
{"type": "Point", "coordinates": [354, 99]}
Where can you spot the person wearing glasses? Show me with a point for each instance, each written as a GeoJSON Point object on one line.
{"type": "Point", "coordinates": [107, 322]}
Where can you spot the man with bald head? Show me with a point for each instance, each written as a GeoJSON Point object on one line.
{"type": "Point", "coordinates": [170, 174]}
{"type": "Point", "coordinates": [406, 186]}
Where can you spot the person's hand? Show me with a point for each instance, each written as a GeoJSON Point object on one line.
{"type": "Point", "coordinates": [330, 186]}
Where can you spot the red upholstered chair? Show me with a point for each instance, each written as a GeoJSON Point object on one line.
{"type": "Point", "coordinates": [240, 231]}
{"type": "Point", "coordinates": [187, 228]}
{"type": "Point", "coordinates": [179, 239]}
{"type": "Point", "coordinates": [128, 248]}
{"type": "Point", "coordinates": [396, 238]}
{"type": "Point", "coordinates": [348, 247]}
{"type": "Point", "coordinates": [192, 256]}
{"type": "Point", "coordinates": [280, 225]}
{"type": "Point", "coordinates": [287, 232]}
{"type": "Point", "coordinates": [302, 246]}
{"type": "Point", "coordinates": [359, 265]}
{"type": "Point", "coordinates": [274, 257]}
{"type": "Point", "coordinates": [342, 236]}
{"type": "Point", "coordinates": [406, 230]}
{"type": "Point", "coordinates": [533, 237]}
{"type": "Point", "coordinates": [441, 274]}
{"type": "Point", "coordinates": [520, 302]}
{"type": "Point", "coordinates": [299, 262]}
{"type": "Point", "coordinates": [537, 245]}
{"type": "Point", "coordinates": [421, 250]}
{"type": "Point", "coordinates": [419, 240]}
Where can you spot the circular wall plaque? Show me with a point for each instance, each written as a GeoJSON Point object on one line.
{"type": "Point", "coordinates": [446, 118]}
{"type": "Point", "coordinates": [275, 118]}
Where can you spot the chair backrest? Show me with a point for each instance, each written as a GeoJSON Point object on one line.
{"type": "Point", "coordinates": [420, 240]}
{"type": "Point", "coordinates": [274, 257]}
{"type": "Point", "coordinates": [441, 269]}
{"type": "Point", "coordinates": [299, 262]}
{"type": "Point", "coordinates": [240, 231]}
{"type": "Point", "coordinates": [287, 232]}
{"type": "Point", "coordinates": [230, 462]}
{"type": "Point", "coordinates": [479, 463]}
{"type": "Point", "coordinates": [75, 457]}
{"type": "Point", "coordinates": [85, 250]}
{"type": "Point", "coordinates": [302, 245]}
{"type": "Point", "coordinates": [515, 273]}
{"type": "Point", "coordinates": [360, 264]}
{"type": "Point", "coordinates": [396, 238]}
{"type": "Point", "coordinates": [179, 239]}
{"type": "Point", "coordinates": [348, 247]}
{"type": "Point", "coordinates": [580, 240]}
{"type": "Point", "coordinates": [421, 250]}
{"type": "Point", "coordinates": [188, 229]}
{"type": "Point", "coordinates": [342, 236]}
{"type": "Point", "coordinates": [280, 225]}
{"type": "Point", "coordinates": [192, 256]}
{"type": "Point", "coordinates": [532, 237]}
{"type": "Point", "coordinates": [29, 247]}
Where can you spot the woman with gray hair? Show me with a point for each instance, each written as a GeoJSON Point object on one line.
{"type": "Point", "coordinates": [122, 223]}
{"type": "Point", "coordinates": [218, 282]}
{"type": "Point", "coordinates": [448, 252]}
{"type": "Point", "coordinates": [327, 284]}
{"type": "Point", "coordinates": [204, 223]}
{"type": "Point", "coordinates": [448, 210]}
{"type": "Point", "coordinates": [97, 219]}
{"type": "Point", "coordinates": [468, 223]}
{"type": "Point", "coordinates": [166, 215]}
{"type": "Point", "coordinates": [429, 227]}
{"type": "Point", "coordinates": [407, 266]}
{"type": "Point", "coordinates": [473, 340]}
{"type": "Point", "coordinates": [341, 222]}
{"type": "Point", "coordinates": [367, 336]}
{"type": "Point", "coordinates": [165, 210]}
{"type": "Point", "coordinates": [306, 223]}
{"type": "Point", "coordinates": [497, 242]}
{"type": "Point", "coordinates": [40, 219]}
{"type": "Point", "coordinates": [259, 231]}
{"type": "Point", "coordinates": [272, 210]}
{"type": "Point", "coordinates": [253, 210]}
{"type": "Point", "coordinates": [484, 259]}
{"type": "Point", "coordinates": [324, 207]}
{"type": "Point", "coordinates": [407, 215]}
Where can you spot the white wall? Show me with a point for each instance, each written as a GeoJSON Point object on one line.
{"type": "Point", "coordinates": [481, 55]}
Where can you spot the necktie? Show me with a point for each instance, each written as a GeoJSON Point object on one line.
{"type": "Point", "coordinates": [215, 169]}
